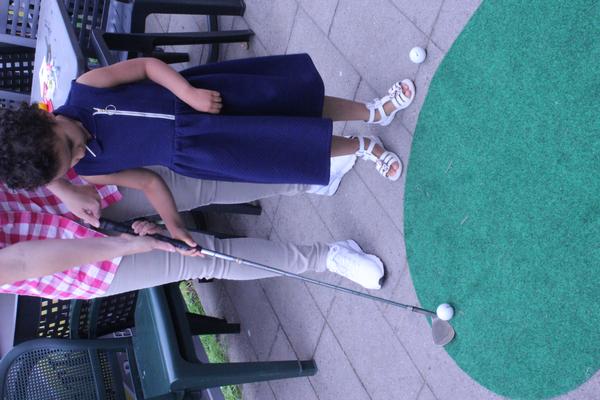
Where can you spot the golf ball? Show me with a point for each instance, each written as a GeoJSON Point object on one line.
{"type": "Point", "coordinates": [445, 312]}
{"type": "Point", "coordinates": [417, 55]}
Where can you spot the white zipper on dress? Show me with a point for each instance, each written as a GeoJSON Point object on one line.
{"type": "Point", "coordinates": [112, 110]}
{"type": "Point", "coordinates": [90, 150]}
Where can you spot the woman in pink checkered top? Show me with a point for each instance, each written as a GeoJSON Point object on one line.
{"type": "Point", "coordinates": [37, 259]}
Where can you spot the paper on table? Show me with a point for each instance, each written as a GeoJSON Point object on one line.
{"type": "Point", "coordinates": [48, 76]}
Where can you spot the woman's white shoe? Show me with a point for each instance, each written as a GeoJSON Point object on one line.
{"type": "Point", "coordinates": [339, 167]}
{"type": "Point", "coordinates": [347, 259]}
{"type": "Point", "coordinates": [397, 97]}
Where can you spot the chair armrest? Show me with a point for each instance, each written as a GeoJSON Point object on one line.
{"type": "Point", "coordinates": [75, 318]}
{"type": "Point", "coordinates": [101, 48]}
{"type": "Point", "coordinates": [8, 96]}
{"type": "Point", "coordinates": [17, 40]}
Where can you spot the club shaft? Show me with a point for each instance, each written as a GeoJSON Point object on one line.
{"type": "Point", "coordinates": [278, 271]}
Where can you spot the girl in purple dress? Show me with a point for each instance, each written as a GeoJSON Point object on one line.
{"type": "Point", "coordinates": [261, 120]}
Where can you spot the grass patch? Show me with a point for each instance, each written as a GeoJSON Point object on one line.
{"type": "Point", "coordinates": [214, 350]}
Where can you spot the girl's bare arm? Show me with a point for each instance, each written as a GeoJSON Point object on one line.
{"type": "Point", "coordinates": [157, 71]}
{"type": "Point", "coordinates": [157, 192]}
{"type": "Point", "coordinates": [37, 258]}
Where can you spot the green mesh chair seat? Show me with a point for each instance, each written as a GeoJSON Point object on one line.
{"type": "Point", "coordinates": [60, 369]}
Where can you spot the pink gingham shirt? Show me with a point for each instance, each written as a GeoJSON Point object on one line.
{"type": "Point", "coordinates": [37, 215]}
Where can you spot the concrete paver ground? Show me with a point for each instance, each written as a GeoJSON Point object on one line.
{"type": "Point", "coordinates": [363, 350]}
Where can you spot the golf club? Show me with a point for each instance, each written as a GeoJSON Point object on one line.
{"type": "Point", "coordinates": [442, 331]}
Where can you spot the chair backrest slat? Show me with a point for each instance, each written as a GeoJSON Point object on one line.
{"type": "Point", "coordinates": [36, 19]}
{"type": "Point", "coordinates": [17, 40]}
{"type": "Point", "coordinates": [25, 23]}
{"type": "Point", "coordinates": [15, 16]}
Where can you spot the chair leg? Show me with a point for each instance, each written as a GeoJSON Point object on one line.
{"type": "Point", "coordinates": [205, 325]}
{"type": "Point", "coordinates": [170, 57]}
{"type": "Point", "coordinates": [146, 42]}
{"type": "Point", "coordinates": [201, 376]}
{"type": "Point", "coordinates": [143, 8]}
{"type": "Point", "coordinates": [227, 37]}
{"type": "Point", "coordinates": [213, 50]}
{"type": "Point", "coordinates": [245, 208]}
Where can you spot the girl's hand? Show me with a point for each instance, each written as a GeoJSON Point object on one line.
{"type": "Point", "coordinates": [180, 233]}
{"type": "Point", "coordinates": [148, 243]}
{"type": "Point", "coordinates": [143, 227]}
{"type": "Point", "coordinates": [203, 100]}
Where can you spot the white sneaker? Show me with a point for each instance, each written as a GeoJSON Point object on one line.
{"type": "Point", "coordinates": [338, 168]}
{"type": "Point", "coordinates": [348, 260]}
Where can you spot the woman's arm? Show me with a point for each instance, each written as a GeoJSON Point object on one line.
{"type": "Point", "coordinates": [157, 192]}
{"type": "Point", "coordinates": [157, 71]}
{"type": "Point", "coordinates": [37, 258]}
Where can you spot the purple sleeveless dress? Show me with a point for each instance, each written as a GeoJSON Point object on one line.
{"type": "Point", "coordinates": [269, 131]}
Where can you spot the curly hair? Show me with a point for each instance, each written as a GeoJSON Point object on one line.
{"type": "Point", "coordinates": [28, 155]}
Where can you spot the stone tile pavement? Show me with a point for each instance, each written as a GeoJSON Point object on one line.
{"type": "Point", "coordinates": [363, 350]}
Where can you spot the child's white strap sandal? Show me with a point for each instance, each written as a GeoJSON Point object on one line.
{"type": "Point", "coordinates": [397, 97]}
{"type": "Point", "coordinates": [384, 162]}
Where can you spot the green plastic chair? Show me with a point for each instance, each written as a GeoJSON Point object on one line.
{"type": "Point", "coordinates": [124, 20]}
{"type": "Point", "coordinates": [82, 369]}
{"type": "Point", "coordinates": [167, 368]}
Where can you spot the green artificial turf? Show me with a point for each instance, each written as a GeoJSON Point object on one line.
{"type": "Point", "coordinates": [502, 206]}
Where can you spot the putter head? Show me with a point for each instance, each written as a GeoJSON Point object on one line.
{"type": "Point", "coordinates": [442, 331]}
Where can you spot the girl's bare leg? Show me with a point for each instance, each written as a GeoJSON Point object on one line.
{"type": "Point", "coordinates": [343, 146]}
{"type": "Point", "coordinates": [338, 109]}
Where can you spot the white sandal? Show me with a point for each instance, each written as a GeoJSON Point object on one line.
{"type": "Point", "coordinates": [384, 162]}
{"type": "Point", "coordinates": [396, 97]}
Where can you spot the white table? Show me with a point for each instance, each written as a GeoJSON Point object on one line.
{"type": "Point", "coordinates": [56, 44]}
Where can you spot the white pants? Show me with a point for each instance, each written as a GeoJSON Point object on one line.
{"type": "Point", "coordinates": [190, 193]}
{"type": "Point", "coordinates": [158, 267]}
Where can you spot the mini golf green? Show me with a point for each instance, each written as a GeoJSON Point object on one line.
{"type": "Point", "coordinates": [502, 207]}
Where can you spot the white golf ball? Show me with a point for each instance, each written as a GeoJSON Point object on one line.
{"type": "Point", "coordinates": [417, 54]}
{"type": "Point", "coordinates": [445, 312]}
